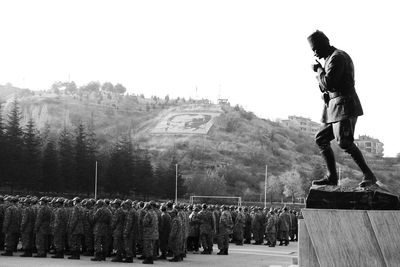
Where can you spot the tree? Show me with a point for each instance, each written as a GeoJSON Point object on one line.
{"type": "Point", "coordinates": [13, 148]}
{"type": "Point", "coordinates": [107, 87]}
{"type": "Point", "coordinates": [119, 172]}
{"type": "Point", "coordinates": [71, 88]}
{"type": "Point", "coordinates": [292, 184]}
{"type": "Point", "coordinates": [82, 180]}
{"type": "Point", "coordinates": [66, 159]}
{"type": "Point", "coordinates": [208, 183]}
{"type": "Point", "coordinates": [32, 155]}
{"type": "Point", "coordinates": [119, 89]}
{"type": "Point", "coordinates": [50, 178]}
{"type": "Point", "coordinates": [143, 173]}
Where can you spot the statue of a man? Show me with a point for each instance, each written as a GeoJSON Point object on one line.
{"type": "Point", "coordinates": [341, 110]}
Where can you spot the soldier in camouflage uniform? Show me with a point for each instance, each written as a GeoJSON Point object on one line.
{"type": "Point", "coordinates": [27, 225]}
{"type": "Point", "coordinates": [247, 225]}
{"type": "Point", "coordinates": [141, 213]}
{"type": "Point", "coordinates": [88, 227]}
{"type": "Point", "coordinates": [11, 225]}
{"type": "Point", "coordinates": [194, 230]}
{"type": "Point", "coordinates": [59, 228]}
{"type": "Point", "coordinates": [225, 229]}
{"type": "Point", "coordinates": [130, 230]}
{"type": "Point", "coordinates": [117, 226]}
{"type": "Point", "coordinates": [206, 229]}
{"type": "Point", "coordinates": [150, 233]}
{"type": "Point", "coordinates": [164, 231]}
{"type": "Point", "coordinates": [185, 228]}
{"type": "Point", "coordinates": [175, 237]}
{"type": "Point", "coordinates": [271, 228]}
{"type": "Point", "coordinates": [75, 229]}
{"type": "Point", "coordinates": [42, 228]}
{"type": "Point", "coordinates": [238, 227]}
{"type": "Point", "coordinates": [102, 223]}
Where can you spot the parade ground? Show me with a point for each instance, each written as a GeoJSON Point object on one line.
{"type": "Point", "coordinates": [239, 256]}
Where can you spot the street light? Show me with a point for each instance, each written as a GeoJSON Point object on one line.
{"type": "Point", "coordinates": [176, 183]}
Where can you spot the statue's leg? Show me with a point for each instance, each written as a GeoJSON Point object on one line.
{"type": "Point", "coordinates": [344, 133]}
{"type": "Point", "coordinates": [323, 139]}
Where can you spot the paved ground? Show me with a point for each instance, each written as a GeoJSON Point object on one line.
{"type": "Point", "coordinates": [239, 256]}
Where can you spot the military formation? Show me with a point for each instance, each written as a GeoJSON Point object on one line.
{"type": "Point", "coordinates": [124, 230]}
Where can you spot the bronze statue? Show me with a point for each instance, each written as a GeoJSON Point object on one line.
{"type": "Point", "coordinates": [341, 110]}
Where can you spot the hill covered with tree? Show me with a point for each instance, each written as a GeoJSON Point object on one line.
{"type": "Point", "coordinates": [53, 139]}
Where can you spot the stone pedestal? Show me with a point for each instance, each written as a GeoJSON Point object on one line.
{"type": "Point", "coordinates": [330, 238]}
{"type": "Point", "coordinates": [376, 197]}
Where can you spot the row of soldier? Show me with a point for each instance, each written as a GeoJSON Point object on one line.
{"type": "Point", "coordinates": [124, 229]}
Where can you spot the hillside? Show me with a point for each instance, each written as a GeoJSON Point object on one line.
{"type": "Point", "coordinates": [208, 140]}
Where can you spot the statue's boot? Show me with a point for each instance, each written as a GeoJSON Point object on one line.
{"type": "Point", "coordinates": [369, 177]}
{"type": "Point", "coordinates": [331, 178]}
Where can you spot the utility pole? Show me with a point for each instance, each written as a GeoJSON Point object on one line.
{"type": "Point", "coordinates": [265, 186]}
{"type": "Point", "coordinates": [176, 183]}
{"type": "Point", "coordinates": [95, 182]}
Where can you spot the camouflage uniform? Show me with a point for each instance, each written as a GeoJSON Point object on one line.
{"type": "Point", "coordinates": [271, 229]}
{"type": "Point", "coordinates": [206, 230]}
{"type": "Point", "coordinates": [11, 227]}
{"type": "Point", "coordinates": [88, 229]}
{"type": "Point", "coordinates": [175, 236]}
{"type": "Point", "coordinates": [164, 231]}
{"type": "Point", "coordinates": [247, 227]}
{"type": "Point", "coordinates": [102, 223]}
{"type": "Point", "coordinates": [257, 227]}
{"type": "Point", "coordinates": [194, 231]}
{"type": "Point", "coordinates": [130, 233]}
{"type": "Point", "coordinates": [117, 226]}
{"type": "Point", "coordinates": [225, 229]}
{"type": "Point", "coordinates": [284, 227]}
{"type": "Point", "coordinates": [150, 234]}
{"type": "Point", "coordinates": [59, 230]}
{"type": "Point", "coordinates": [238, 227]}
{"type": "Point", "coordinates": [75, 231]}
{"type": "Point", "coordinates": [27, 225]}
{"type": "Point", "coordinates": [42, 228]}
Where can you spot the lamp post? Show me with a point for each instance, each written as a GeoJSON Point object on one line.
{"type": "Point", "coordinates": [265, 186]}
{"type": "Point", "coordinates": [176, 183]}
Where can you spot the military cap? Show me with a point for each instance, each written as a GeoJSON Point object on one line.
{"type": "Point", "coordinates": [76, 199]}
{"type": "Point", "coordinates": [100, 202]}
{"type": "Point", "coordinates": [204, 206]}
{"type": "Point", "coordinates": [127, 202]}
{"type": "Point", "coordinates": [44, 199]}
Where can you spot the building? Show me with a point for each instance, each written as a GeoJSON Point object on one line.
{"type": "Point", "coordinates": [302, 124]}
{"type": "Point", "coordinates": [369, 145]}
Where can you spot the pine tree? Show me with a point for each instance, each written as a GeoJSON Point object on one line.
{"type": "Point", "coordinates": [13, 147]}
{"type": "Point", "coordinates": [32, 155]}
{"type": "Point", "coordinates": [2, 147]}
{"type": "Point", "coordinates": [66, 159]}
{"type": "Point", "coordinates": [50, 171]}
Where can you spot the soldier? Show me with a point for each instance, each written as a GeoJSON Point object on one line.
{"type": "Point", "coordinates": [102, 222]}
{"type": "Point", "coordinates": [11, 225]}
{"type": "Point", "coordinates": [194, 230]}
{"type": "Point", "coordinates": [141, 213]}
{"type": "Point", "coordinates": [59, 228]}
{"type": "Point", "coordinates": [27, 225]}
{"type": "Point", "coordinates": [238, 227]}
{"type": "Point", "coordinates": [175, 236]}
{"type": "Point", "coordinates": [117, 226]}
{"type": "Point", "coordinates": [42, 227]}
{"type": "Point", "coordinates": [130, 230]}
{"type": "Point", "coordinates": [75, 229]}
{"type": "Point", "coordinates": [284, 226]}
{"type": "Point", "coordinates": [247, 226]}
{"type": "Point", "coordinates": [88, 227]}
{"type": "Point", "coordinates": [206, 229]}
{"type": "Point", "coordinates": [164, 231]}
{"type": "Point", "coordinates": [150, 233]}
{"type": "Point", "coordinates": [257, 226]}
{"type": "Point", "coordinates": [185, 228]}
{"type": "Point", "coordinates": [271, 228]}
{"type": "Point", "coordinates": [225, 229]}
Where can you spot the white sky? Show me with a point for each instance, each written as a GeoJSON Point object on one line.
{"type": "Point", "coordinates": [255, 53]}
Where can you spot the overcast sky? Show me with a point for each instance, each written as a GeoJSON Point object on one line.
{"type": "Point", "coordinates": [254, 53]}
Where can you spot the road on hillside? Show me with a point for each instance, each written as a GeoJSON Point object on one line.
{"type": "Point", "coordinates": [239, 256]}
